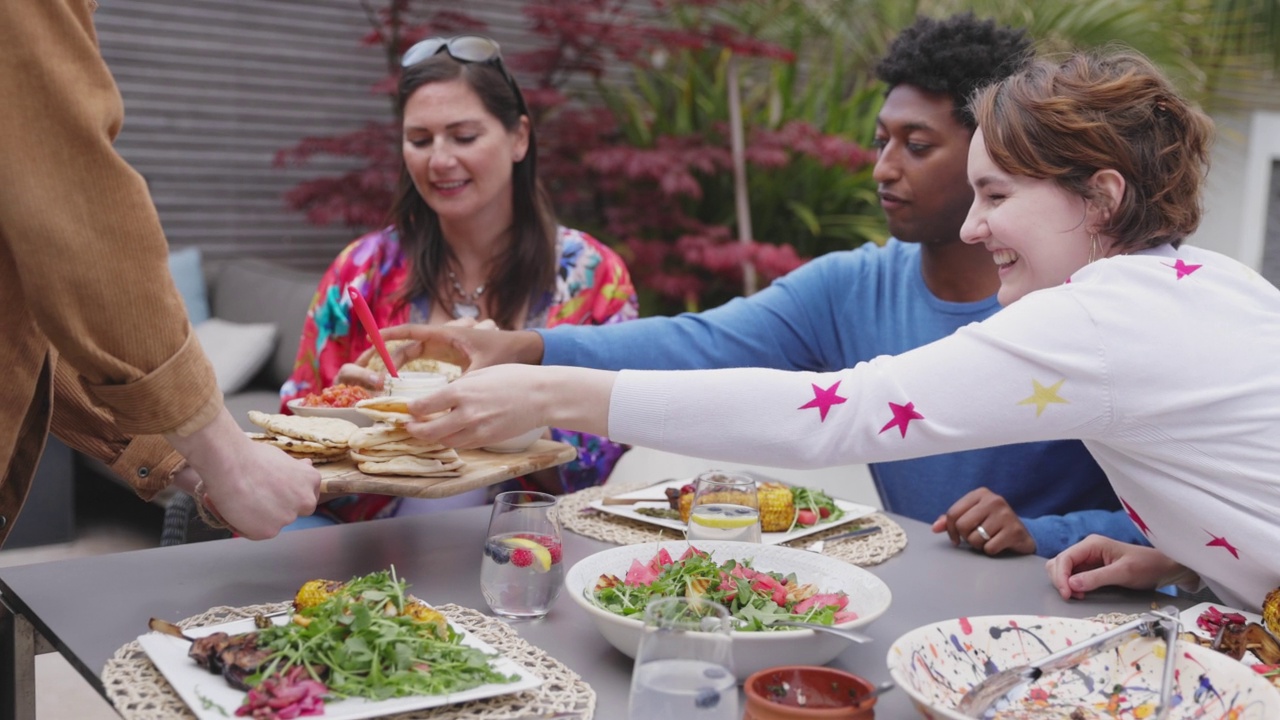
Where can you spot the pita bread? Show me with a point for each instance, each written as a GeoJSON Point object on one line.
{"type": "Point", "coordinates": [332, 432]}
{"type": "Point", "coordinates": [382, 416]}
{"type": "Point", "coordinates": [386, 403]}
{"type": "Point", "coordinates": [445, 455]}
{"type": "Point", "coordinates": [297, 447]}
{"type": "Point", "coordinates": [304, 447]}
{"type": "Point", "coordinates": [411, 466]}
{"type": "Point", "coordinates": [390, 409]}
{"type": "Point", "coordinates": [374, 435]}
{"type": "Point", "coordinates": [316, 453]}
{"type": "Point", "coordinates": [316, 459]}
{"type": "Point", "coordinates": [407, 447]}
{"type": "Point", "coordinates": [387, 409]}
{"type": "Point", "coordinates": [449, 370]}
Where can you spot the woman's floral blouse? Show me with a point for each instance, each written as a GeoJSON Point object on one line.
{"type": "Point", "coordinates": [592, 287]}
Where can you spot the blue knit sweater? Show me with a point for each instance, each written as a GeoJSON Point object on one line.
{"type": "Point", "coordinates": [834, 312]}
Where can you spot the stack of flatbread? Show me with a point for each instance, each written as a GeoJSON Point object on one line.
{"type": "Point", "coordinates": [386, 448]}
{"type": "Point", "coordinates": [389, 449]}
{"type": "Point", "coordinates": [317, 439]}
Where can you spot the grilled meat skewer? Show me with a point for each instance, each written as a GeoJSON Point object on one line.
{"type": "Point", "coordinates": [234, 657]}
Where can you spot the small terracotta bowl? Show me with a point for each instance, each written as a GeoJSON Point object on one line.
{"type": "Point", "coordinates": [807, 692]}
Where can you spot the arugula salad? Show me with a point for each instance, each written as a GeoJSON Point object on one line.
{"type": "Point", "coordinates": [369, 638]}
{"type": "Point", "coordinates": [756, 599]}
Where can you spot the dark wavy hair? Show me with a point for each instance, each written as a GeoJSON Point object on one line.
{"type": "Point", "coordinates": [528, 264]}
{"type": "Point", "coordinates": [1110, 109]}
{"type": "Point", "coordinates": [954, 56]}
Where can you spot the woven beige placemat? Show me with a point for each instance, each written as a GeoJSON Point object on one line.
{"type": "Point", "coordinates": [1114, 619]}
{"type": "Point", "coordinates": [576, 514]}
{"type": "Point", "coordinates": [140, 692]}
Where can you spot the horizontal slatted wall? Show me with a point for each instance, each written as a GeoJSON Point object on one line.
{"type": "Point", "coordinates": [213, 88]}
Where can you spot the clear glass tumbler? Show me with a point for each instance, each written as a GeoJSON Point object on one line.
{"type": "Point", "coordinates": [684, 665]}
{"type": "Point", "coordinates": [521, 571]}
{"type": "Point", "coordinates": [725, 507]}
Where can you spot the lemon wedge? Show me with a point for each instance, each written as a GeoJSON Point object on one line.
{"type": "Point", "coordinates": [724, 522]}
{"type": "Point", "coordinates": [541, 555]}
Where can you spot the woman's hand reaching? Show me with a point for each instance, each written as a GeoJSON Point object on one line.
{"type": "Point", "coordinates": [492, 404]}
{"type": "Point", "coordinates": [1099, 561]}
{"type": "Point", "coordinates": [359, 373]}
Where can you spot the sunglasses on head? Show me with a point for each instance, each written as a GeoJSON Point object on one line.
{"type": "Point", "coordinates": [466, 49]}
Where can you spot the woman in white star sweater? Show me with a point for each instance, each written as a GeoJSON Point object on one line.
{"type": "Point", "coordinates": [1164, 360]}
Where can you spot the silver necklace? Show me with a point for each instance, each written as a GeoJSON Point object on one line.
{"type": "Point", "coordinates": [465, 304]}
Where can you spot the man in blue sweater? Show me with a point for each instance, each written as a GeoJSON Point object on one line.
{"type": "Point", "coordinates": [848, 307]}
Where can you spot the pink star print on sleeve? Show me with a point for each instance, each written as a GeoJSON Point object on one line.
{"type": "Point", "coordinates": [1222, 543]}
{"type": "Point", "coordinates": [902, 416]}
{"type": "Point", "coordinates": [823, 399]}
{"type": "Point", "coordinates": [1135, 517]}
{"type": "Point", "coordinates": [1183, 267]}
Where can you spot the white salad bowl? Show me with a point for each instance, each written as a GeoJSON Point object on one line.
{"type": "Point", "coordinates": [868, 595]}
{"type": "Point", "coordinates": [937, 664]}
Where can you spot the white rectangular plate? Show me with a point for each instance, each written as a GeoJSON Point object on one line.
{"type": "Point", "coordinates": [1189, 616]}
{"type": "Point", "coordinates": [852, 511]}
{"type": "Point", "coordinates": [205, 692]}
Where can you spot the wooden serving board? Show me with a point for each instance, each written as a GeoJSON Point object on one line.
{"type": "Point", "coordinates": [483, 468]}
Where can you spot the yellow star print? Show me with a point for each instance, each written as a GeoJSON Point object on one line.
{"type": "Point", "coordinates": [1043, 396]}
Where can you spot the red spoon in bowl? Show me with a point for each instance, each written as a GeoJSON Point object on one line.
{"type": "Point", "coordinates": [371, 328]}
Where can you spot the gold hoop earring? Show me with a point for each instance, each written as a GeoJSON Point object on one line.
{"type": "Point", "coordinates": [1093, 247]}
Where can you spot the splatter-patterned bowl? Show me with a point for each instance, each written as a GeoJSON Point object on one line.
{"type": "Point", "coordinates": [937, 664]}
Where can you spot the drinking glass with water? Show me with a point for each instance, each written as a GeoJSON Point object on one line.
{"type": "Point", "coordinates": [521, 571]}
{"type": "Point", "coordinates": [684, 665]}
{"type": "Point", "coordinates": [725, 507]}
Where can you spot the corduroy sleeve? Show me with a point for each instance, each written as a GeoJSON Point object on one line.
{"type": "Point", "coordinates": [146, 462]}
{"type": "Point", "coordinates": [84, 235]}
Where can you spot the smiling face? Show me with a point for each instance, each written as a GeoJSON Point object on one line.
{"type": "Point", "coordinates": [921, 151]}
{"type": "Point", "coordinates": [459, 155]}
{"type": "Point", "coordinates": [1037, 232]}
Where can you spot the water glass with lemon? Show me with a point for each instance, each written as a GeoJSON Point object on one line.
{"type": "Point", "coordinates": [521, 571]}
{"type": "Point", "coordinates": [725, 507]}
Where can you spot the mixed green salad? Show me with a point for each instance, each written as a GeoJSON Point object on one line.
{"type": "Point", "coordinates": [813, 507]}
{"type": "Point", "coordinates": [756, 599]}
{"type": "Point", "coordinates": [372, 639]}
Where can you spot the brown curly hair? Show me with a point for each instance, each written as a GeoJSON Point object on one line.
{"type": "Point", "coordinates": [1109, 109]}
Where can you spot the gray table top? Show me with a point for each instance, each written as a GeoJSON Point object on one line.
{"type": "Point", "coordinates": [90, 607]}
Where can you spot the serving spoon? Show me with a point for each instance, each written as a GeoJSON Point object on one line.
{"type": "Point", "coordinates": [1162, 623]}
{"type": "Point", "coordinates": [850, 635]}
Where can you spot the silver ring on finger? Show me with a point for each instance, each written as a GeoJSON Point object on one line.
{"type": "Point", "coordinates": [986, 537]}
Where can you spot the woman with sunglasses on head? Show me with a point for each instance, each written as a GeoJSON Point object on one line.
{"type": "Point", "coordinates": [1161, 357]}
{"type": "Point", "coordinates": [474, 240]}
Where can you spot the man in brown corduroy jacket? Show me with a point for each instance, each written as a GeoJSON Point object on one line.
{"type": "Point", "coordinates": [96, 344]}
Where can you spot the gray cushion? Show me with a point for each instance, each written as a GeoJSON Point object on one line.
{"type": "Point", "coordinates": [238, 351]}
{"type": "Point", "coordinates": [258, 291]}
{"type": "Point", "coordinates": [241, 403]}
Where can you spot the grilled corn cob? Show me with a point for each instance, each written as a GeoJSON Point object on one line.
{"type": "Point", "coordinates": [428, 616]}
{"type": "Point", "coordinates": [686, 501]}
{"type": "Point", "coordinates": [314, 592]}
{"type": "Point", "coordinates": [777, 507]}
{"type": "Point", "coordinates": [1271, 612]}
{"type": "Point", "coordinates": [686, 505]}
